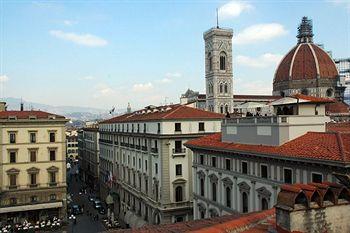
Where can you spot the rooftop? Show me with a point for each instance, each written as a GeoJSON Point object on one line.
{"type": "Point", "coordinates": [28, 115]}
{"type": "Point", "coordinates": [333, 145]}
{"type": "Point", "coordinates": [168, 112]}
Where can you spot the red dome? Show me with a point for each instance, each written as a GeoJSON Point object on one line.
{"type": "Point", "coordinates": [306, 61]}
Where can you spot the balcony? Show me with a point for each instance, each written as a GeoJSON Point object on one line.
{"type": "Point", "coordinates": [154, 150]}
{"type": "Point", "coordinates": [12, 187]}
{"type": "Point", "coordinates": [179, 152]}
{"type": "Point", "coordinates": [144, 148]}
{"type": "Point", "coordinates": [52, 184]}
{"type": "Point", "coordinates": [33, 185]}
{"type": "Point", "coordinates": [138, 147]}
{"type": "Point", "coordinates": [105, 141]}
{"type": "Point", "coordinates": [132, 146]}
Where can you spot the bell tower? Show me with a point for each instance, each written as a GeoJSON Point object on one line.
{"type": "Point", "coordinates": [218, 70]}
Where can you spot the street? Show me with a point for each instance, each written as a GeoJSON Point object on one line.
{"type": "Point", "coordinates": [84, 223]}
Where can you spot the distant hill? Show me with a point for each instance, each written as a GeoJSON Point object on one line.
{"type": "Point", "coordinates": [71, 112]}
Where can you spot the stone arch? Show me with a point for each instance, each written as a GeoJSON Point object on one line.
{"type": "Point", "coordinates": [223, 60]}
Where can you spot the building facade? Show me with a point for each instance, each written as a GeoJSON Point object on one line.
{"type": "Point", "coordinates": [343, 65]}
{"type": "Point", "coordinates": [242, 169]}
{"type": "Point", "coordinates": [33, 166]}
{"type": "Point", "coordinates": [89, 154]}
{"type": "Point", "coordinates": [72, 144]}
{"type": "Point", "coordinates": [218, 70]}
{"type": "Point", "coordinates": [145, 165]}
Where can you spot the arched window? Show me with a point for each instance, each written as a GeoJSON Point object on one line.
{"type": "Point", "coordinates": [202, 186]}
{"type": "Point", "coordinates": [222, 109]}
{"type": "Point", "coordinates": [226, 109]}
{"type": "Point", "coordinates": [282, 94]}
{"type": "Point", "coordinates": [228, 197]}
{"type": "Point", "coordinates": [264, 204]}
{"type": "Point", "coordinates": [244, 202]}
{"type": "Point", "coordinates": [226, 88]}
{"type": "Point", "coordinates": [329, 92]}
{"type": "Point", "coordinates": [221, 88]}
{"type": "Point", "coordinates": [178, 193]}
{"type": "Point", "coordinates": [304, 91]}
{"type": "Point", "coordinates": [210, 61]}
{"type": "Point", "coordinates": [213, 191]}
{"type": "Point", "coordinates": [222, 61]}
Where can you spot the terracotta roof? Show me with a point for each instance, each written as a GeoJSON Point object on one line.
{"type": "Point", "coordinates": [331, 146]}
{"type": "Point", "coordinates": [313, 99]}
{"type": "Point", "coordinates": [27, 114]}
{"type": "Point", "coordinates": [305, 61]}
{"type": "Point", "coordinates": [225, 223]}
{"type": "Point", "coordinates": [170, 112]}
{"type": "Point", "coordinates": [338, 127]}
{"type": "Point", "coordinates": [338, 108]}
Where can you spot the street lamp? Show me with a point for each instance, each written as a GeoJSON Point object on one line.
{"type": "Point", "coordinates": [73, 220]}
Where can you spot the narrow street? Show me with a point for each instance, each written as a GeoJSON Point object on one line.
{"type": "Point", "coordinates": [84, 223]}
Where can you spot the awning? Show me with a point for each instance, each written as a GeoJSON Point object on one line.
{"type": "Point", "coordinates": [31, 207]}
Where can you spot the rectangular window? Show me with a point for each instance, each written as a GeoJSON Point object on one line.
{"type": "Point", "coordinates": [146, 165]}
{"type": "Point", "coordinates": [201, 159]}
{"type": "Point", "coordinates": [178, 146]}
{"type": "Point", "coordinates": [52, 197]}
{"type": "Point", "coordinates": [52, 177]}
{"type": "Point", "coordinates": [32, 156]}
{"type": "Point", "coordinates": [52, 136]}
{"type": "Point", "coordinates": [244, 167]}
{"type": "Point", "coordinates": [178, 169]}
{"type": "Point", "coordinates": [287, 174]}
{"type": "Point", "coordinates": [144, 128]}
{"type": "Point", "coordinates": [158, 128]}
{"type": "Point", "coordinates": [228, 164]}
{"type": "Point", "coordinates": [12, 137]}
{"type": "Point", "coordinates": [213, 161]}
{"type": "Point", "coordinates": [12, 156]}
{"type": "Point", "coordinates": [33, 179]}
{"type": "Point", "coordinates": [263, 171]}
{"type": "Point", "coordinates": [32, 137]}
{"type": "Point", "coordinates": [202, 186]}
{"type": "Point", "coordinates": [317, 178]}
{"type": "Point", "coordinates": [52, 155]}
{"type": "Point", "coordinates": [13, 180]}
{"type": "Point", "coordinates": [201, 126]}
{"type": "Point", "coordinates": [156, 168]}
{"type": "Point", "coordinates": [177, 127]}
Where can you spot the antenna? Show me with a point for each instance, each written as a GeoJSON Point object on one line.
{"type": "Point", "coordinates": [217, 18]}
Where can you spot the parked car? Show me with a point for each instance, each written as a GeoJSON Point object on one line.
{"type": "Point", "coordinates": [97, 204]}
{"type": "Point", "coordinates": [102, 211]}
{"type": "Point", "coordinates": [76, 209]}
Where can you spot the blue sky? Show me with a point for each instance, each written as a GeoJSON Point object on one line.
{"type": "Point", "coordinates": [109, 53]}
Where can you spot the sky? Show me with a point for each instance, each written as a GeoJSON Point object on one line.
{"type": "Point", "coordinates": [105, 54]}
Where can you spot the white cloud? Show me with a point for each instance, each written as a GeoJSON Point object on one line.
{"type": "Point", "coordinates": [166, 80]}
{"type": "Point", "coordinates": [142, 87]}
{"type": "Point", "coordinates": [233, 9]}
{"type": "Point", "coordinates": [265, 60]}
{"type": "Point", "coordinates": [259, 33]}
{"type": "Point", "coordinates": [69, 22]}
{"type": "Point", "coordinates": [82, 39]}
{"type": "Point", "coordinates": [103, 90]}
{"type": "Point", "coordinates": [4, 78]}
{"type": "Point", "coordinates": [252, 87]}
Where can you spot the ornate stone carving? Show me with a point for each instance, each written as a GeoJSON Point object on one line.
{"type": "Point", "coordinates": [244, 187]}
{"type": "Point", "coordinates": [213, 178]}
{"type": "Point", "coordinates": [227, 182]}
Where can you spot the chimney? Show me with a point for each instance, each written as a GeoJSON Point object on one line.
{"type": "Point", "coordinates": [314, 207]}
{"type": "Point", "coordinates": [2, 106]}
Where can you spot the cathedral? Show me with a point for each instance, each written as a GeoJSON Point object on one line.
{"type": "Point", "coordinates": [306, 69]}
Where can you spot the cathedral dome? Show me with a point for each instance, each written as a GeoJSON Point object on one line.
{"type": "Point", "coordinates": [306, 61]}
{"type": "Point", "coordinates": [306, 68]}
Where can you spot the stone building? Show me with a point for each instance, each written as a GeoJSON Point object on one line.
{"type": "Point", "coordinates": [303, 208]}
{"type": "Point", "coordinates": [145, 166]}
{"type": "Point", "coordinates": [242, 168]}
{"type": "Point", "coordinates": [72, 143]}
{"type": "Point", "coordinates": [218, 69]}
{"type": "Point", "coordinates": [307, 69]}
{"type": "Point", "coordinates": [89, 154]}
{"type": "Point", "coordinates": [33, 165]}
{"type": "Point", "coordinates": [343, 65]}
